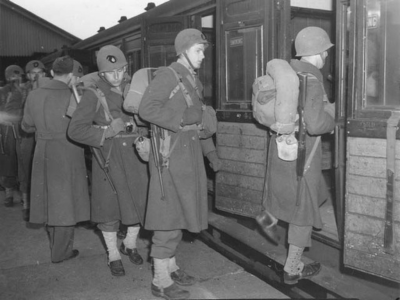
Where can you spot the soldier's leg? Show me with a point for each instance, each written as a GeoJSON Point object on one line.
{"type": "Point", "coordinates": [299, 237]}
{"type": "Point", "coordinates": [164, 247]}
{"type": "Point", "coordinates": [128, 246]}
{"type": "Point", "coordinates": [9, 183]}
{"type": "Point", "coordinates": [61, 243]}
{"type": "Point", "coordinates": [109, 231]}
{"type": "Point", "coordinates": [24, 172]}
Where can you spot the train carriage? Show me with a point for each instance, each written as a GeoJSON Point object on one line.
{"type": "Point", "coordinates": [359, 244]}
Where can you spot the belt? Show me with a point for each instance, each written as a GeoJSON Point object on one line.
{"type": "Point", "coordinates": [126, 135]}
{"type": "Point", "coordinates": [191, 127]}
{"type": "Point", "coordinates": [51, 135]}
{"type": "Point", "coordinates": [101, 126]}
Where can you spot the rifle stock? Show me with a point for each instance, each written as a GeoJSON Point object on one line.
{"type": "Point", "coordinates": [301, 154]}
{"type": "Point", "coordinates": [156, 156]}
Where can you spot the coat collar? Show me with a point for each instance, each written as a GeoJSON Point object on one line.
{"type": "Point", "coordinates": [55, 85]}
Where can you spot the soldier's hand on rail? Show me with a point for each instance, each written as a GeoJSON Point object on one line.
{"type": "Point", "coordinates": [192, 115]}
{"type": "Point", "coordinates": [215, 162]}
{"type": "Point", "coordinates": [116, 126]}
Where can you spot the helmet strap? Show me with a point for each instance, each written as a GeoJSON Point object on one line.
{"type": "Point", "coordinates": [188, 60]}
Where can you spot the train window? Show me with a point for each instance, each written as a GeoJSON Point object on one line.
{"type": "Point", "coordinates": [382, 62]}
{"type": "Point", "coordinates": [134, 62]}
{"type": "Point", "coordinates": [244, 62]}
{"type": "Point", "coordinates": [161, 55]}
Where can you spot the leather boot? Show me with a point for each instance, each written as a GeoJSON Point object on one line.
{"type": "Point", "coordinates": [163, 286]}
{"type": "Point", "coordinates": [114, 258]}
{"type": "Point", "coordinates": [308, 271]}
{"type": "Point", "coordinates": [178, 275]}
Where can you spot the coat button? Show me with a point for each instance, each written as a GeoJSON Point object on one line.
{"type": "Point", "coordinates": [123, 144]}
{"type": "Point", "coordinates": [193, 138]}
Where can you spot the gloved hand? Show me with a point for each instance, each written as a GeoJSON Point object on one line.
{"type": "Point", "coordinates": [192, 115]}
{"type": "Point", "coordinates": [215, 162]}
{"type": "Point", "coordinates": [116, 126]}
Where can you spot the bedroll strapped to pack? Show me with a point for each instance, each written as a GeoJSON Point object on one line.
{"type": "Point", "coordinates": [275, 97]}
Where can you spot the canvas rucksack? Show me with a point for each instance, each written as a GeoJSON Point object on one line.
{"type": "Point", "coordinates": [275, 97]}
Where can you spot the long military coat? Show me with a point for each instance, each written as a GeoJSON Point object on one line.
{"type": "Point", "coordinates": [184, 182]}
{"type": "Point", "coordinates": [10, 102]}
{"type": "Point", "coordinates": [128, 173]}
{"type": "Point", "coordinates": [59, 189]}
{"type": "Point", "coordinates": [281, 177]}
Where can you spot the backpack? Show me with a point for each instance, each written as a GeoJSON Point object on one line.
{"type": "Point", "coordinates": [275, 97]}
{"type": "Point", "coordinates": [140, 81]}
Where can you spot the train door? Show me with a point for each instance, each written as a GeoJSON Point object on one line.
{"type": "Point", "coordinates": [252, 33]}
{"type": "Point", "coordinates": [248, 34]}
{"type": "Point", "coordinates": [371, 39]}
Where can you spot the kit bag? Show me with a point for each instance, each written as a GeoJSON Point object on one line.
{"type": "Point", "coordinates": [275, 97]}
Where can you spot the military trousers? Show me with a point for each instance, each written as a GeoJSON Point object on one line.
{"type": "Point", "coordinates": [61, 242]}
{"type": "Point", "coordinates": [299, 236]}
{"type": "Point", "coordinates": [165, 243]}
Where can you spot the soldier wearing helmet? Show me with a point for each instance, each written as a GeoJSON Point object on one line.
{"type": "Point", "coordinates": [100, 122]}
{"type": "Point", "coordinates": [11, 102]}
{"type": "Point", "coordinates": [35, 70]}
{"type": "Point", "coordinates": [302, 213]}
{"type": "Point", "coordinates": [59, 175]}
{"type": "Point", "coordinates": [184, 183]}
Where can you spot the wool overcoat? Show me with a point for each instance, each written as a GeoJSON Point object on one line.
{"type": "Point", "coordinates": [128, 172]}
{"type": "Point", "coordinates": [281, 183]}
{"type": "Point", "coordinates": [59, 188]}
{"type": "Point", "coordinates": [184, 181]}
{"type": "Point", "coordinates": [10, 103]}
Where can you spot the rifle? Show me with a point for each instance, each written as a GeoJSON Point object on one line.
{"type": "Point", "coordinates": [97, 154]}
{"type": "Point", "coordinates": [156, 154]}
{"type": "Point", "coordinates": [103, 165]}
{"type": "Point", "coordinates": [301, 152]}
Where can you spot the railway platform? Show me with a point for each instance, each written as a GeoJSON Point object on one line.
{"type": "Point", "coordinates": [26, 271]}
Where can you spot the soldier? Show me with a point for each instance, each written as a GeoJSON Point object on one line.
{"type": "Point", "coordinates": [11, 101]}
{"type": "Point", "coordinates": [35, 73]}
{"type": "Point", "coordinates": [59, 192]}
{"type": "Point", "coordinates": [179, 199]}
{"type": "Point", "coordinates": [301, 209]}
{"type": "Point", "coordinates": [119, 177]}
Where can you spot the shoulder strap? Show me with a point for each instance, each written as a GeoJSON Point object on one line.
{"type": "Point", "coordinates": [186, 94]}
{"type": "Point", "coordinates": [101, 101]}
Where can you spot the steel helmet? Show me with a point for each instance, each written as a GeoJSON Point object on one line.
{"type": "Point", "coordinates": [110, 58]}
{"type": "Point", "coordinates": [187, 38]}
{"type": "Point", "coordinates": [34, 64]}
{"type": "Point", "coordinates": [13, 70]}
{"type": "Point", "coordinates": [78, 69]}
{"type": "Point", "coordinates": [311, 41]}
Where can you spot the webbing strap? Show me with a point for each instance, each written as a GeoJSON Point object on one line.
{"type": "Point", "coordinates": [102, 101]}
{"type": "Point", "coordinates": [186, 94]}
